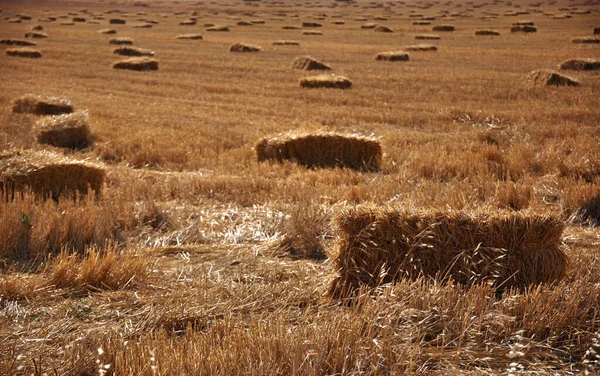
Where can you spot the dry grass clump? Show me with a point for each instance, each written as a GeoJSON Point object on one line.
{"type": "Point", "coordinates": [326, 81]}
{"type": "Point", "coordinates": [392, 56]}
{"type": "Point", "coordinates": [547, 77]}
{"type": "Point", "coordinates": [586, 40]}
{"type": "Point", "coordinates": [487, 32]}
{"type": "Point", "coordinates": [378, 246]}
{"type": "Point", "coordinates": [48, 174]}
{"type": "Point", "coordinates": [24, 52]}
{"type": "Point", "coordinates": [133, 51]}
{"type": "Point", "coordinates": [588, 213]}
{"type": "Point", "coordinates": [312, 32]}
{"type": "Point", "coordinates": [42, 105]}
{"type": "Point", "coordinates": [35, 34]}
{"type": "Point", "coordinates": [443, 28]}
{"type": "Point", "coordinates": [422, 48]}
{"type": "Point", "coordinates": [121, 41]}
{"type": "Point", "coordinates": [116, 21]}
{"type": "Point", "coordinates": [190, 36]}
{"type": "Point", "coordinates": [308, 63]}
{"type": "Point", "coordinates": [383, 29]}
{"type": "Point", "coordinates": [16, 42]}
{"type": "Point", "coordinates": [217, 28]}
{"type": "Point", "coordinates": [427, 37]}
{"type": "Point", "coordinates": [107, 31]}
{"type": "Point", "coordinates": [137, 64]}
{"type": "Point", "coordinates": [65, 131]}
{"type": "Point", "coordinates": [580, 64]}
{"type": "Point", "coordinates": [244, 47]}
{"type": "Point", "coordinates": [311, 24]}
{"type": "Point", "coordinates": [523, 28]}
{"type": "Point", "coordinates": [286, 43]}
{"type": "Point", "coordinates": [323, 150]}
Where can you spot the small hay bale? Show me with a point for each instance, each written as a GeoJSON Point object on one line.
{"type": "Point", "coordinates": [443, 28]}
{"type": "Point", "coordinates": [547, 77]}
{"type": "Point", "coordinates": [596, 30]}
{"type": "Point", "coordinates": [37, 28]}
{"type": "Point", "coordinates": [33, 34]}
{"type": "Point", "coordinates": [244, 23]}
{"type": "Point", "coordinates": [308, 63]}
{"type": "Point", "coordinates": [523, 29]}
{"type": "Point", "coordinates": [286, 43]}
{"type": "Point", "coordinates": [190, 36]}
{"type": "Point", "coordinates": [257, 22]}
{"type": "Point", "coordinates": [323, 150]}
{"type": "Point", "coordinates": [243, 47]}
{"type": "Point", "coordinates": [48, 174]}
{"type": "Point", "coordinates": [326, 81]}
{"type": "Point", "coordinates": [65, 131]}
{"type": "Point", "coordinates": [586, 40]}
{"type": "Point", "coordinates": [16, 42]}
{"type": "Point", "coordinates": [188, 23]}
{"type": "Point", "coordinates": [339, 22]}
{"type": "Point", "coordinates": [312, 32]}
{"type": "Point", "coordinates": [421, 23]}
{"type": "Point", "coordinates": [427, 37]}
{"type": "Point", "coordinates": [116, 21]}
{"type": "Point", "coordinates": [588, 213]}
{"type": "Point", "coordinates": [392, 56]}
{"type": "Point", "coordinates": [121, 41]}
{"type": "Point", "coordinates": [42, 105]}
{"type": "Point", "coordinates": [79, 19]}
{"type": "Point", "coordinates": [137, 64]}
{"type": "Point", "coordinates": [217, 28]}
{"type": "Point", "coordinates": [107, 31]}
{"type": "Point", "coordinates": [383, 29]}
{"type": "Point", "coordinates": [143, 26]}
{"type": "Point", "coordinates": [369, 25]}
{"type": "Point", "coordinates": [24, 52]}
{"type": "Point", "coordinates": [290, 27]}
{"type": "Point", "coordinates": [524, 23]}
{"type": "Point", "coordinates": [67, 23]}
{"type": "Point", "coordinates": [133, 51]}
{"type": "Point", "coordinates": [422, 48]}
{"type": "Point", "coordinates": [311, 24]}
{"type": "Point", "coordinates": [580, 64]}
{"type": "Point", "coordinates": [510, 250]}
{"type": "Point", "coordinates": [487, 32]}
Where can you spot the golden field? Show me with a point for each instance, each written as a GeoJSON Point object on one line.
{"type": "Point", "coordinates": [197, 259]}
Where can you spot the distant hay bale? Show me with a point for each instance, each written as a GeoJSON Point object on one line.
{"type": "Point", "coordinates": [143, 26]}
{"type": "Point", "coordinates": [588, 213]}
{"type": "Point", "coordinates": [133, 51]}
{"type": "Point", "coordinates": [443, 28]}
{"type": "Point", "coordinates": [422, 48]}
{"type": "Point", "coordinates": [37, 28]}
{"type": "Point", "coordinates": [290, 27]}
{"type": "Point", "coordinates": [16, 42]}
{"type": "Point", "coordinates": [243, 47]}
{"type": "Point", "coordinates": [509, 250]}
{"type": "Point", "coordinates": [217, 28]}
{"type": "Point", "coordinates": [369, 25]}
{"type": "Point", "coordinates": [65, 131]}
{"type": "Point", "coordinates": [107, 31]}
{"type": "Point", "coordinates": [67, 23]}
{"type": "Point", "coordinates": [312, 32]}
{"type": "Point", "coordinates": [48, 174]}
{"type": "Point", "coordinates": [244, 23]}
{"type": "Point", "coordinates": [42, 105]}
{"type": "Point", "coordinates": [188, 23]}
{"type": "Point", "coordinates": [487, 32]}
{"type": "Point", "coordinates": [121, 41]}
{"type": "Point", "coordinates": [79, 19]}
{"type": "Point", "coordinates": [190, 36]}
{"type": "Point", "coordinates": [308, 63]}
{"type": "Point", "coordinates": [421, 23]}
{"type": "Point", "coordinates": [286, 43]}
{"type": "Point", "coordinates": [547, 77]}
{"type": "Point", "coordinates": [580, 64]}
{"type": "Point", "coordinates": [137, 64]}
{"type": "Point", "coordinates": [24, 52]}
{"type": "Point", "coordinates": [339, 22]}
{"type": "Point", "coordinates": [596, 30]}
{"type": "Point", "coordinates": [34, 34]}
{"type": "Point", "coordinates": [524, 23]}
{"type": "Point", "coordinates": [323, 150]}
{"type": "Point", "coordinates": [586, 40]}
{"type": "Point", "coordinates": [311, 24]}
{"type": "Point", "coordinates": [257, 22]}
{"type": "Point", "coordinates": [427, 37]}
{"type": "Point", "coordinates": [523, 29]}
{"type": "Point", "coordinates": [116, 21]}
{"type": "Point", "coordinates": [392, 56]}
{"type": "Point", "coordinates": [383, 29]}
{"type": "Point", "coordinates": [326, 81]}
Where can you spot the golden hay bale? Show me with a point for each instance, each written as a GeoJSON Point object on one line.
{"type": "Point", "coordinates": [143, 26]}
{"type": "Point", "coordinates": [524, 23]}
{"type": "Point", "coordinates": [286, 43]}
{"type": "Point", "coordinates": [33, 34]}
{"type": "Point", "coordinates": [443, 28]}
{"type": "Point", "coordinates": [217, 28]}
{"type": "Point", "coordinates": [37, 28]}
{"type": "Point", "coordinates": [326, 81]}
{"type": "Point", "coordinates": [339, 22]}
{"type": "Point", "coordinates": [48, 174]}
{"type": "Point", "coordinates": [190, 36]}
{"type": "Point", "coordinates": [121, 41]}
{"type": "Point", "coordinates": [427, 37]}
{"type": "Point", "coordinates": [257, 22]}
{"type": "Point", "coordinates": [581, 64]}
{"type": "Point", "coordinates": [308, 63]}
{"type": "Point", "coordinates": [42, 105]}
{"type": "Point", "coordinates": [65, 131]}
{"type": "Point", "coordinates": [16, 42]}
{"type": "Point", "coordinates": [377, 246]}
{"type": "Point", "coordinates": [421, 23]}
{"type": "Point", "coordinates": [290, 27]}
{"type": "Point", "coordinates": [116, 21]}
{"type": "Point", "coordinates": [383, 29]}
{"type": "Point", "coordinates": [422, 47]}
{"type": "Point", "coordinates": [244, 23]}
{"type": "Point", "coordinates": [79, 19]}
{"type": "Point", "coordinates": [323, 150]}
{"type": "Point", "coordinates": [243, 47]}
{"type": "Point", "coordinates": [523, 28]}
{"type": "Point", "coordinates": [369, 25]}
{"type": "Point", "coordinates": [311, 24]}
{"type": "Point", "coordinates": [67, 23]}
{"type": "Point", "coordinates": [133, 51]}
{"type": "Point", "coordinates": [392, 56]}
{"type": "Point", "coordinates": [487, 32]}
{"type": "Point", "coordinates": [188, 23]}
{"type": "Point", "coordinates": [137, 64]}
{"type": "Point", "coordinates": [24, 52]}
{"type": "Point", "coordinates": [107, 31]}
{"type": "Point", "coordinates": [586, 40]}
{"type": "Point", "coordinates": [547, 77]}
{"type": "Point", "coordinates": [588, 213]}
{"type": "Point", "coordinates": [312, 32]}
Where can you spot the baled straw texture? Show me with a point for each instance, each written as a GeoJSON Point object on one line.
{"type": "Point", "coordinates": [547, 77]}
{"type": "Point", "coordinates": [107, 31]}
{"type": "Point", "coordinates": [392, 56]}
{"type": "Point", "coordinates": [65, 131]}
{"type": "Point", "coordinates": [42, 105]}
{"type": "Point", "coordinates": [137, 64]}
{"type": "Point", "coordinates": [422, 48]}
{"type": "Point", "coordinates": [311, 24]}
{"type": "Point", "coordinates": [326, 81]}
{"type": "Point", "coordinates": [312, 32]}
{"type": "Point", "coordinates": [48, 174]}
{"type": "Point", "coordinates": [33, 34]}
{"type": "Point", "coordinates": [581, 64]}
{"type": "Point", "coordinates": [190, 36]}
{"type": "Point", "coordinates": [588, 213]}
{"type": "Point", "coordinates": [523, 28]}
{"type": "Point", "coordinates": [377, 246]}
{"type": "Point", "coordinates": [308, 63]}
{"type": "Point", "coordinates": [17, 42]}
{"type": "Point", "coordinates": [443, 28]}
{"type": "Point", "coordinates": [133, 51]}
{"type": "Point", "coordinates": [121, 41]}
{"type": "Point", "coordinates": [586, 40]}
{"type": "Point", "coordinates": [243, 47]}
{"type": "Point", "coordinates": [323, 150]}
{"type": "Point", "coordinates": [217, 28]}
{"type": "Point", "coordinates": [286, 43]}
{"type": "Point", "coordinates": [487, 32]}
{"type": "Point", "coordinates": [24, 52]}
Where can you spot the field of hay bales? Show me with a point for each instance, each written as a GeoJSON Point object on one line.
{"type": "Point", "coordinates": [203, 212]}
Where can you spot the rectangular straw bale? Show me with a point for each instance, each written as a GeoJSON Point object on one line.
{"type": "Point", "coordinates": [323, 150]}
{"type": "Point", "coordinates": [377, 246]}
{"type": "Point", "coordinates": [42, 105]}
{"type": "Point", "coordinates": [65, 131]}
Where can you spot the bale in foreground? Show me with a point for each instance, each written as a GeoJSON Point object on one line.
{"type": "Point", "coordinates": [31, 53]}
{"type": "Point", "coordinates": [392, 56]}
{"type": "Point", "coordinates": [580, 64]}
{"type": "Point", "coordinates": [326, 81]}
{"type": "Point", "coordinates": [48, 174]}
{"type": "Point", "coordinates": [65, 131]}
{"type": "Point", "coordinates": [308, 63]}
{"type": "Point", "coordinates": [137, 64]}
{"type": "Point", "coordinates": [323, 150]}
{"type": "Point", "coordinates": [42, 105]}
{"type": "Point", "coordinates": [511, 250]}
{"type": "Point", "coordinates": [547, 77]}
{"type": "Point", "coordinates": [243, 47]}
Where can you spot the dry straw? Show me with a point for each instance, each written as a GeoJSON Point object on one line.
{"type": "Point", "coordinates": [121, 41]}
{"type": "Point", "coordinates": [581, 64]}
{"type": "Point", "coordinates": [323, 150]}
{"type": "Point", "coordinates": [107, 31]}
{"type": "Point", "coordinates": [383, 29]}
{"type": "Point", "coordinates": [427, 37]}
{"type": "Point", "coordinates": [376, 246]}
{"type": "Point", "coordinates": [369, 26]}
{"type": "Point", "coordinates": [290, 27]}
{"type": "Point", "coordinates": [523, 28]}
{"type": "Point", "coordinates": [133, 51]}
{"type": "Point", "coordinates": [35, 34]}
{"type": "Point", "coordinates": [244, 47]}
{"type": "Point", "coordinates": [16, 42]}
{"type": "Point", "coordinates": [137, 64]}
{"type": "Point", "coordinates": [48, 174]}
{"type": "Point", "coordinates": [286, 43]}
{"type": "Point", "coordinates": [547, 77]}
{"type": "Point", "coordinates": [596, 30]}
{"type": "Point", "coordinates": [326, 81]}
{"type": "Point", "coordinates": [217, 28]}
{"type": "Point", "coordinates": [588, 213]}
{"type": "Point", "coordinates": [24, 52]}
{"type": "Point", "coordinates": [421, 23]}
{"type": "Point", "coordinates": [188, 23]}
{"type": "Point", "coordinates": [422, 48]}
{"type": "Point", "coordinates": [487, 32]}
{"type": "Point", "coordinates": [190, 36]}
{"type": "Point", "coordinates": [65, 131]}
{"type": "Point", "coordinates": [42, 105]}
{"type": "Point", "coordinates": [586, 40]}
{"type": "Point", "coordinates": [392, 56]}
{"type": "Point", "coordinates": [443, 28]}
{"type": "Point", "coordinates": [312, 32]}
{"type": "Point", "coordinates": [308, 63]}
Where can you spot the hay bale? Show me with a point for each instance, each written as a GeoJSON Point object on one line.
{"type": "Point", "coordinates": [547, 77]}
{"type": "Point", "coordinates": [65, 131]}
{"type": "Point", "coordinates": [323, 150]}
{"type": "Point", "coordinates": [48, 174]}
{"type": "Point", "coordinates": [339, 22]}
{"type": "Point", "coordinates": [326, 81]}
{"type": "Point", "coordinates": [286, 43]}
{"type": "Point", "coordinates": [369, 25]}
{"type": "Point", "coordinates": [16, 42]}
{"type": "Point", "coordinates": [121, 41]}
{"type": "Point", "coordinates": [523, 29]}
{"type": "Point", "coordinates": [378, 246]}
{"type": "Point", "coordinates": [586, 40]}
{"type": "Point", "coordinates": [443, 28]}
{"type": "Point", "coordinates": [580, 64]}
{"type": "Point", "coordinates": [24, 52]}
{"type": "Point", "coordinates": [243, 47]}
{"type": "Point", "coordinates": [524, 23]}
{"type": "Point", "coordinates": [42, 105]}
{"type": "Point", "coordinates": [37, 28]}
{"type": "Point", "coordinates": [143, 26]}
{"type": "Point", "coordinates": [312, 32]}
{"type": "Point", "coordinates": [133, 51]}
{"type": "Point", "coordinates": [421, 23]}
{"type": "Point", "coordinates": [34, 34]}
{"type": "Point", "coordinates": [217, 28]}
{"type": "Point", "coordinates": [67, 23]}
{"type": "Point", "coordinates": [596, 30]}
{"type": "Point", "coordinates": [422, 48]}
{"type": "Point", "coordinates": [487, 32]}
{"type": "Point", "coordinates": [137, 64]}
{"type": "Point", "coordinates": [244, 23]}
{"type": "Point", "coordinates": [427, 37]}
{"type": "Point", "coordinates": [383, 29]}
{"type": "Point", "coordinates": [188, 23]}
{"type": "Point", "coordinates": [311, 24]}
{"type": "Point", "coordinates": [107, 31]}
{"type": "Point", "coordinates": [190, 36]}
{"type": "Point", "coordinates": [588, 213]}
{"type": "Point", "coordinates": [308, 63]}
{"type": "Point", "coordinates": [290, 27]}
{"type": "Point", "coordinates": [79, 19]}
{"type": "Point", "coordinates": [116, 21]}
{"type": "Point", "coordinates": [392, 56]}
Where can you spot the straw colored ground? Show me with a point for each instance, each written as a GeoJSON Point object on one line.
{"type": "Point", "coordinates": [200, 260]}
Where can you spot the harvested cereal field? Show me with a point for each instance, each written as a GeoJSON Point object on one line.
{"type": "Point", "coordinates": [291, 193]}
